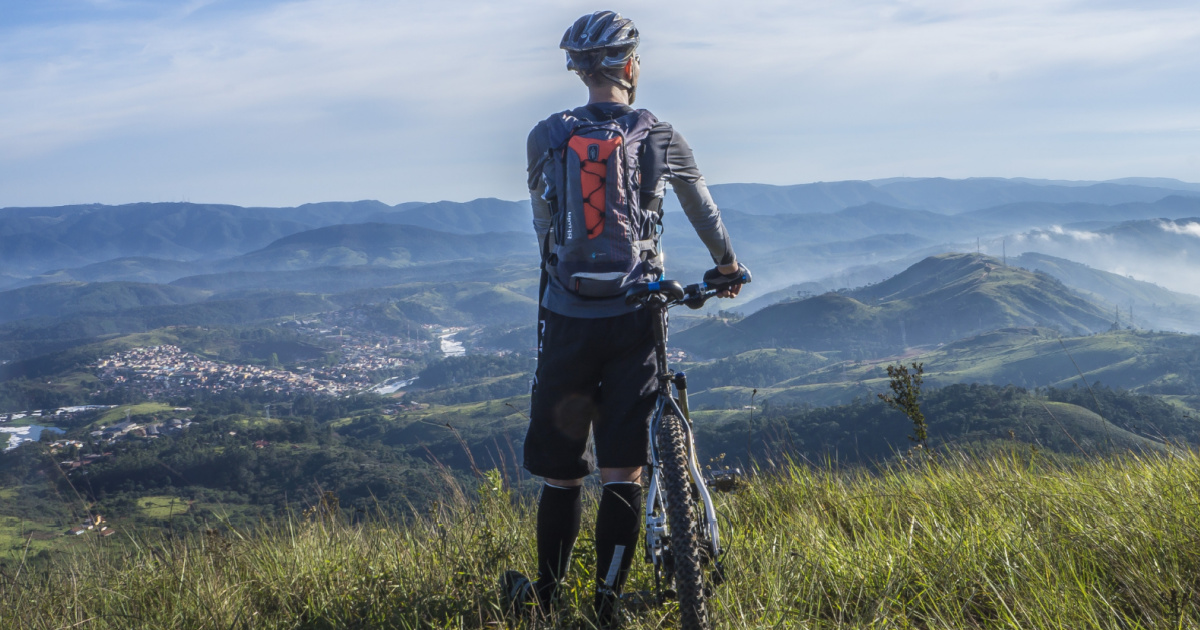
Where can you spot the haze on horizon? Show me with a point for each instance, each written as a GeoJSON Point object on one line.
{"type": "Point", "coordinates": [286, 102]}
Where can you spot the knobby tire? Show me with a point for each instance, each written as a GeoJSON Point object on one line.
{"type": "Point", "coordinates": [681, 517]}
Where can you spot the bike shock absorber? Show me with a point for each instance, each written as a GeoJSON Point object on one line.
{"type": "Point", "coordinates": [680, 381]}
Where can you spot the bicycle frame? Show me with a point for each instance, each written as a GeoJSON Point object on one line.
{"type": "Point", "coordinates": [656, 517]}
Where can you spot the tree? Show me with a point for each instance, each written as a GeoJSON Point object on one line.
{"type": "Point", "coordinates": [905, 397]}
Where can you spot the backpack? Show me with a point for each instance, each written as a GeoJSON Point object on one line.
{"type": "Point", "coordinates": [603, 240]}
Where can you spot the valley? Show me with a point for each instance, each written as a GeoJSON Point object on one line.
{"type": "Point", "coordinates": [365, 351]}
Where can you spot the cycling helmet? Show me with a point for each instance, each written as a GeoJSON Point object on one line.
{"type": "Point", "coordinates": [602, 42]}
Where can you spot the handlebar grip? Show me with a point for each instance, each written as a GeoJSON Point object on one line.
{"type": "Point", "coordinates": [724, 283]}
{"type": "Point", "coordinates": [714, 279]}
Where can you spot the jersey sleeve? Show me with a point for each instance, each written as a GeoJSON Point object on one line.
{"type": "Point", "coordinates": [536, 151]}
{"type": "Point", "coordinates": [678, 167]}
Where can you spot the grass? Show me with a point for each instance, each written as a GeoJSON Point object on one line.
{"type": "Point", "coordinates": [162, 506]}
{"type": "Point", "coordinates": [16, 533]}
{"type": "Point", "coordinates": [1001, 541]}
{"type": "Point", "coordinates": [117, 414]}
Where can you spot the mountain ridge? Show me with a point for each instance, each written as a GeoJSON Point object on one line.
{"type": "Point", "coordinates": [937, 300]}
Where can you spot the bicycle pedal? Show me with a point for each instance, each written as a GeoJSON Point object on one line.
{"type": "Point", "coordinates": [725, 480]}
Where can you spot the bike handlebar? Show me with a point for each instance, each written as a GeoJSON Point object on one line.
{"type": "Point", "coordinates": [669, 289]}
{"type": "Point", "coordinates": [671, 293]}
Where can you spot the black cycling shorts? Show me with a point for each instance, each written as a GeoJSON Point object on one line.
{"type": "Point", "coordinates": [596, 374]}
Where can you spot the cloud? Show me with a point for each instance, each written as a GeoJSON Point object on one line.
{"type": "Point", "coordinates": [1054, 234]}
{"type": "Point", "coordinates": [287, 63]}
{"type": "Point", "coordinates": [325, 97]}
{"type": "Point", "coordinates": [1080, 235]}
{"type": "Point", "coordinates": [1190, 228]}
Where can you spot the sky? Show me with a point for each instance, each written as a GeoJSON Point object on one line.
{"type": "Point", "coordinates": [279, 103]}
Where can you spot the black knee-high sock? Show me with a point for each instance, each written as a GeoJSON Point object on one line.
{"type": "Point", "coordinates": [558, 518]}
{"type": "Point", "coordinates": [617, 526]}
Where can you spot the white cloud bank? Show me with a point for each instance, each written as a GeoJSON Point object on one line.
{"type": "Point", "coordinates": [1190, 228]}
{"type": "Point", "coordinates": [288, 102]}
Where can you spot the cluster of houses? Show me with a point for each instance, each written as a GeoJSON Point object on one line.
{"type": "Point", "coordinates": [94, 523]}
{"type": "Point", "coordinates": [128, 428]}
{"type": "Point", "coordinates": [167, 369]}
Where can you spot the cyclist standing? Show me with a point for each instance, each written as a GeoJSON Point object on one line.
{"type": "Point", "coordinates": [596, 363]}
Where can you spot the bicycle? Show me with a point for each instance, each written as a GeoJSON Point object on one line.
{"type": "Point", "coordinates": [682, 537]}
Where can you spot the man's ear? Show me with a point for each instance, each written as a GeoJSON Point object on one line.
{"type": "Point", "coordinates": [629, 69]}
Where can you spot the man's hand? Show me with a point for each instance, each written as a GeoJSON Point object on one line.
{"type": "Point", "coordinates": [734, 275]}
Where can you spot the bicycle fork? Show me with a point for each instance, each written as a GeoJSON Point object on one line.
{"type": "Point", "coordinates": [657, 537]}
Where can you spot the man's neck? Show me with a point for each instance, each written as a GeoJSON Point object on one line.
{"type": "Point", "coordinates": [608, 93]}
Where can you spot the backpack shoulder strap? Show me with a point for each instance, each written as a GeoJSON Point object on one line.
{"type": "Point", "coordinates": [641, 121]}
{"type": "Point", "coordinates": [561, 125]}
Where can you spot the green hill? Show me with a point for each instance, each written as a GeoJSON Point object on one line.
{"type": "Point", "coordinates": [71, 298]}
{"type": "Point", "coordinates": [937, 300]}
{"type": "Point", "coordinates": [132, 269]}
{"type": "Point", "coordinates": [963, 414]}
{"type": "Point", "coordinates": [756, 368]}
{"type": "Point", "coordinates": [1155, 363]}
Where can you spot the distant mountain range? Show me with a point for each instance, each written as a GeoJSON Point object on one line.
{"type": "Point", "coordinates": [93, 269]}
{"type": "Point", "coordinates": [1135, 302]}
{"type": "Point", "coordinates": [36, 241]}
{"type": "Point", "coordinates": [776, 242]}
{"type": "Point", "coordinates": [378, 244]}
{"type": "Point", "coordinates": [945, 196]}
{"type": "Point", "coordinates": [854, 231]}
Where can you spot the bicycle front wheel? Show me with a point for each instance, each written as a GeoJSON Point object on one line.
{"type": "Point", "coordinates": [684, 526]}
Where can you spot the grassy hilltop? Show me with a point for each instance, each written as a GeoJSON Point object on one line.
{"type": "Point", "coordinates": [1010, 540]}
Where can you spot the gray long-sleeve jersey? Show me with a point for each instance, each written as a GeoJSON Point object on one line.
{"type": "Point", "coordinates": [665, 158]}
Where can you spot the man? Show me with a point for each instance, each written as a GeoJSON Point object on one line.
{"type": "Point", "coordinates": [596, 365]}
